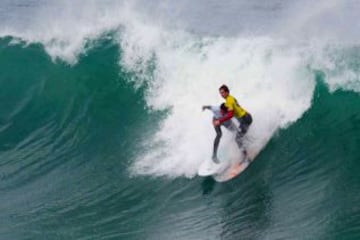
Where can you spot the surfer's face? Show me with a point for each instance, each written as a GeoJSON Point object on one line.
{"type": "Point", "coordinates": [223, 93]}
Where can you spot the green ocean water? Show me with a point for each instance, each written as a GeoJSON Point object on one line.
{"type": "Point", "coordinates": [69, 134]}
{"type": "Point", "coordinates": [102, 134]}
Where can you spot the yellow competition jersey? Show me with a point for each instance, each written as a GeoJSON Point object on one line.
{"type": "Point", "coordinates": [232, 105]}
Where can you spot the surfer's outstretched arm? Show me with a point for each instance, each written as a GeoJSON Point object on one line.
{"type": "Point", "coordinates": [206, 107]}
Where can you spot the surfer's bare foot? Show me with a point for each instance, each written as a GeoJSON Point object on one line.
{"type": "Point", "coordinates": [215, 159]}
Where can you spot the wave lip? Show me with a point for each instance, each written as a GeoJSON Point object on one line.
{"type": "Point", "coordinates": [270, 75]}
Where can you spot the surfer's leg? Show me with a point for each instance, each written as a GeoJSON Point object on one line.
{"type": "Point", "coordinates": [245, 123]}
{"type": "Point", "coordinates": [216, 143]}
{"type": "Point", "coordinates": [230, 125]}
{"type": "Point", "coordinates": [239, 138]}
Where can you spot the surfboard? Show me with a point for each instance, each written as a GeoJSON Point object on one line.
{"type": "Point", "coordinates": [236, 167]}
{"type": "Point", "coordinates": [232, 171]}
{"type": "Point", "coordinates": [232, 164]}
{"type": "Point", "coordinates": [208, 168]}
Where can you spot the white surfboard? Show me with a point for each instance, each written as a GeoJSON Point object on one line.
{"type": "Point", "coordinates": [236, 167]}
{"type": "Point", "coordinates": [231, 165]}
{"type": "Point", "coordinates": [232, 171]}
{"type": "Point", "coordinates": [226, 159]}
{"type": "Point", "coordinates": [209, 167]}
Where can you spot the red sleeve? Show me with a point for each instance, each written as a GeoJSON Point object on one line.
{"type": "Point", "coordinates": [228, 116]}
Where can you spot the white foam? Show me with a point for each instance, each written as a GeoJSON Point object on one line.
{"type": "Point", "coordinates": [269, 79]}
{"type": "Point", "coordinates": [65, 27]}
{"type": "Point", "coordinates": [272, 78]}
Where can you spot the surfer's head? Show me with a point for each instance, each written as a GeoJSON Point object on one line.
{"type": "Point", "coordinates": [223, 108]}
{"type": "Point", "coordinates": [224, 91]}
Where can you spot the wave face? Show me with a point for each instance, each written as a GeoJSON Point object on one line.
{"type": "Point", "coordinates": [102, 133]}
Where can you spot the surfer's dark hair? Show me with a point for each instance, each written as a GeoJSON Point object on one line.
{"type": "Point", "coordinates": [224, 87]}
{"type": "Point", "coordinates": [223, 107]}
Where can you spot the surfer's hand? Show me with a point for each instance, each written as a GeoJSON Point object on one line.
{"type": "Point", "coordinates": [216, 122]}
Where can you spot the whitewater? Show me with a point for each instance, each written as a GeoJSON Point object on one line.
{"type": "Point", "coordinates": [271, 75]}
{"type": "Point", "coordinates": [102, 132]}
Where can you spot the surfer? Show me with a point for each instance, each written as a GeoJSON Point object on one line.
{"type": "Point", "coordinates": [234, 110]}
{"type": "Point", "coordinates": [219, 113]}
